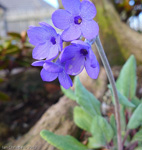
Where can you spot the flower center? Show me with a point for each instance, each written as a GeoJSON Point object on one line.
{"type": "Point", "coordinates": [77, 20]}
{"type": "Point", "coordinates": [84, 52]}
{"type": "Point", "coordinates": [53, 40]}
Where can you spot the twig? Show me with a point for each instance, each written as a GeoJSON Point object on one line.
{"type": "Point", "coordinates": [112, 82]}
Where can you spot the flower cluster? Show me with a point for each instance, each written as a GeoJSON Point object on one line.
{"type": "Point", "coordinates": [76, 21]}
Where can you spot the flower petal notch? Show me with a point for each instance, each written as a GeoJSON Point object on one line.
{"type": "Point", "coordinates": [46, 41]}
{"type": "Point", "coordinates": [76, 20]}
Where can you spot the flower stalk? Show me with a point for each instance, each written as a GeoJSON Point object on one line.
{"type": "Point", "coordinates": [112, 82]}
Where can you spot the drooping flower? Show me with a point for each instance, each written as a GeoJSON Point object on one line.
{"type": "Point", "coordinates": [76, 20]}
{"type": "Point", "coordinates": [52, 70]}
{"type": "Point", "coordinates": [46, 41]}
{"type": "Point", "coordinates": [80, 55]}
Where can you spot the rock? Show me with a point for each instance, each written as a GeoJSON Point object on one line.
{"type": "Point", "coordinates": [57, 119]}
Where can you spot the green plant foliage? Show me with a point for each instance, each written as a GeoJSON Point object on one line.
{"type": "Point", "coordinates": [123, 100]}
{"type": "Point", "coordinates": [123, 119]}
{"type": "Point", "coordinates": [88, 117]}
{"type": "Point", "coordinates": [136, 101]}
{"type": "Point", "coordinates": [113, 123]}
{"type": "Point", "coordinates": [14, 51]}
{"type": "Point", "coordinates": [62, 142]}
{"type": "Point", "coordinates": [139, 148]}
{"type": "Point", "coordinates": [14, 35]}
{"type": "Point", "coordinates": [82, 119]}
{"type": "Point", "coordinates": [138, 136]}
{"type": "Point", "coordinates": [136, 118]}
{"type": "Point", "coordinates": [1, 80]}
{"type": "Point", "coordinates": [127, 81]}
{"type": "Point", "coordinates": [86, 99]}
{"type": "Point", "coordinates": [102, 132]}
{"type": "Point", "coordinates": [69, 93]}
{"type": "Point", "coordinates": [4, 97]}
{"type": "Point", "coordinates": [95, 143]}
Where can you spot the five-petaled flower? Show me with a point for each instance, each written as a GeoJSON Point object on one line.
{"type": "Point", "coordinates": [80, 55]}
{"type": "Point", "coordinates": [76, 20]}
{"type": "Point", "coordinates": [46, 41]}
{"type": "Point", "coordinates": [52, 70]}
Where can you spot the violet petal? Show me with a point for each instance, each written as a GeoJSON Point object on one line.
{"type": "Point", "coordinates": [52, 67]}
{"type": "Point", "coordinates": [69, 52]}
{"type": "Point", "coordinates": [52, 52]}
{"type": "Point", "coordinates": [65, 80]}
{"type": "Point", "coordinates": [38, 63]}
{"type": "Point", "coordinates": [47, 76]}
{"type": "Point", "coordinates": [88, 10]}
{"type": "Point", "coordinates": [41, 51]}
{"type": "Point", "coordinates": [72, 6]}
{"type": "Point", "coordinates": [72, 33]}
{"type": "Point", "coordinates": [37, 35]}
{"type": "Point", "coordinates": [90, 29]}
{"type": "Point", "coordinates": [61, 19]}
{"type": "Point", "coordinates": [92, 72]}
{"type": "Point", "coordinates": [75, 65]}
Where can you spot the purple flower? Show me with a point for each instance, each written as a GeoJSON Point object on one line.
{"type": "Point", "coordinates": [80, 55]}
{"type": "Point", "coordinates": [52, 70]}
{"type": "Point", "coordinates": [76, 20]}
{"type": "Point", "coordinates": [46, 41]}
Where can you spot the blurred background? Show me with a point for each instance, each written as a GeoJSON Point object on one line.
{"type": "Point", "coordinates": [24, 97]}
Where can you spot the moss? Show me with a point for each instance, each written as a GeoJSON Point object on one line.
{"type": "Point", "coordinates": [112, 48]}
{"type": "Point", "coordinates": [118, 40]}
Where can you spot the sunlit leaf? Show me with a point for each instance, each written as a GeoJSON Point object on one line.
{"type": "Point", "coordinates": [14, 34]}
{"type": "Point", "coordinates": [62, 142]}
{"type": "Point", "coordinates": [136, 101]}
{"type": "Point", "coordinates": [138, 136]}
{"type": "Point", "coordinates": [82, 119]}
{"type": "Point", "coordinates": [86, 99]}
{"type": "Point", "coordinates": [136, 118]}
{"type": "Point", "coordinates": [69, 93]}
{"type": "Point", "coordinates": [127, 81]}
{"type": "Point", "coordinates": [102, 132]}
{"type": "Point", "coordinates": [4, 97]}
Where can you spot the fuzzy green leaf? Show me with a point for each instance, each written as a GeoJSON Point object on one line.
{"type": "Point", "coordinates": [69, 93]}
{"type": "Point", "coordinates": [139, 148]}
{"type": "Point", "coordinates": [123, 119]}
{"type": "Point", "coordinates": [136, 118]}
{"type": "Point", "coordinates": [4, 97]}
{"type": "Point", "coordinates": [123, 99]}
{"type": "Point", "coordinates": [82, 119]}
{"type": "Point", "coordinates": [102, 132]}
{"type": "Point", "coordinates": [95, 143]}
{"type": "Point", "coordinates": [86, 99]}
{"type": "Point", "coordinates": [138, 136]}
{"type": "Point", "coordinates": [62, 142]}
{"type": "Point", "coordinates": [127, 80]}
{"type": "Point", "coordinates": [136, 101]}
{"type": "Point", "coordinates": [113, 123]}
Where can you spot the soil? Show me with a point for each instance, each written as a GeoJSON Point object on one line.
{"type": "Point", "coordinates": [30, 97]}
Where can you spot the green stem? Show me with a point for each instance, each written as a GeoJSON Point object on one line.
{"type": "Point", "coordinates": [112, 82]}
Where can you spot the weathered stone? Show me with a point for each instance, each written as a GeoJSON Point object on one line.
{"type": "Point", "coordinates": [57, 119]}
